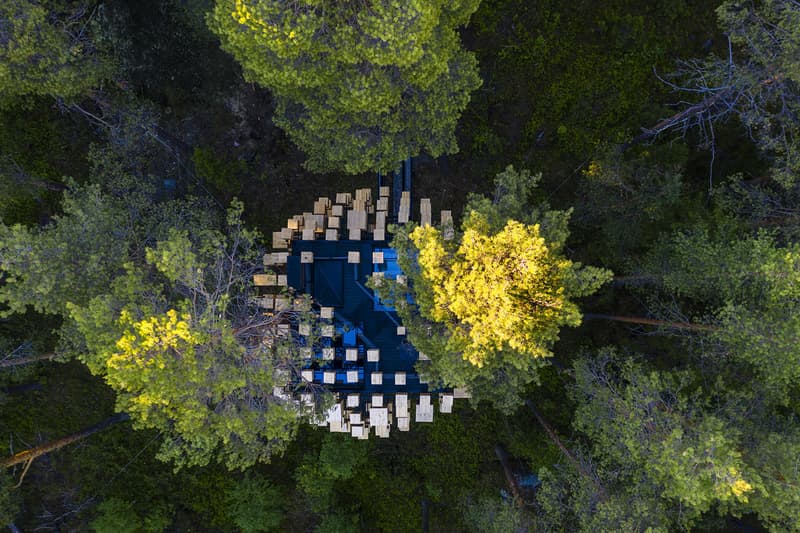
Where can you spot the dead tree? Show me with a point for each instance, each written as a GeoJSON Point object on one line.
{"type": "Point", "coordinates": [27, 457]}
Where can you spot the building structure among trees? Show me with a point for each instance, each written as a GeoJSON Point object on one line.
{"type": "Point", "coordinates": [357, 349]}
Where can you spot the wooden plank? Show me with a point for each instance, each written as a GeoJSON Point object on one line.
{"type": "Point", "coordinates": [356, 219]}
{"type": "Point", "coordinates": [331, 234]}
{"type": "Point", "coordinates": [264, 280]}
{"type": "Point", "coordinates": [376, 378]}
{"type": "Point", "coordinates": [446, 403]}
{"type": "Point", "coordinates": [377, 258]}
{"type": "Point", "coordinates": [333, 222]}
{"type": "Point", "coordinates": [380, 220]}
{"type": "Point", "coordinates": [399, 378]}
{"type": "Point", "coordinates": [404, 213]}
{"type": "Point", "coordinates": [343, 198]}
{"type": "Point", "coordinates": [354, 257]}
{"type": "Point", "coordinates": [279, 241]}
{"type": "Point", "coordinates": [448, 231]}
{"type": "Point", "coordinates": [326, 312]}
{"type": "Point", "coordinates": [353, 400]}
{"type": "Point", "coordinates": [384, 191]}
{"type": "Point", "coordinates": [337, 210]}
{"type": "Point", "coordinates": [379, 235]}
{"type": "Point", "coordinates": [425, 212]}
{"type": "Point", "coordinates": [424, 411]}
{"type": "Point", "coordinates": [373, 355]}
{"type": "Point", "coordinates": [280, 258]}
{"type": "Point", "coordinates": [306, 257]}
{"type": "Point", "coordinates": [354, 234]}
{"type": "Point", "coordinates": [283, 280]}
{"type": "Point", "coordinates": [266, 302]}
{"type": "Point", "coordinates": [401, 404]}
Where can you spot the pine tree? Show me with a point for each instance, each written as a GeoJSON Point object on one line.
{"type": "Point", "coordinates": [358, 87]}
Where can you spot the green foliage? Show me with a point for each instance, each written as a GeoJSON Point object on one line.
{"type": "Point", "coordinates": [492, 515]}
{"type": "Point", "coordinates": [357, 89]}
{"type": "Point", "coordinates": [222, 174]}
{"type": "Point", "coordinates": [116, 516]}
{"type": "Point", "coordinates": [339, 459]}
{"type": "Point", "coordinates": [183, 369]}
{"type": "Point", "coordinates": [70, 260]}
{"type": "Point", "coordinates": [9, 499]}
{"type": "Point", "coordinates": [626, 200]}
{"type": "Point", "coordinates": [46, 51]}
{"type": "Point", "coordinates": [255, 504]}
{"type": "Point", "coordinates": [567, 79]}
{"type": "Point", "coordinates": [119, 516]}
{"type": "Point", "coordinates": [750, 286]}
{"type": "Point", "coordinates": [338, 523]}
{"type": "Point", "coordinates": [652, 428]}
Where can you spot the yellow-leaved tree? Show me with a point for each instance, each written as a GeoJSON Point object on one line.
{"type": "Point", "coordinates": [490, 301]}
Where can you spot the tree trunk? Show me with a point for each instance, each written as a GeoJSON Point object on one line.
{"type": "Point", "coordinates": [512, 482]}
{"type": "Point", "coordinates": [564, 450]}
{"type": "Point", "coordinates": [28, 456]}
{"type": "Point", "coordinates": [650, 322]}
{"type": "Point", "coordinates": [17, 361]}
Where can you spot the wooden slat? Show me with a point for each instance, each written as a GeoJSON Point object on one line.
{"type": "Point", "coordinates": [404, 213]}
{"type": "Point", "coordinates": [425, 212]}
{"type": "Point", "coordinates": [278, 241]}
{"type": "Point", "coordinates": [380, 220]}
{"type": "Point", "coordinates": [331, 234]}
{"type": "Point", "coordinates": [265, 280]}
{"type": "Point", "coordinates": [448, 231]}
{"type": "Point", "coordinates": [384, 191]}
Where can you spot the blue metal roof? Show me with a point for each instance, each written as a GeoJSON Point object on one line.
{"type": "Point", "coordinates": [361, 319]}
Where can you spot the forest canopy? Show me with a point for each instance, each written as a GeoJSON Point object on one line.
{"type": "Point", "coordinates": [615, 284]}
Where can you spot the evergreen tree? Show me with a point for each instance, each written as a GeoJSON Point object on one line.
{"type": "Point", "coordinates": [358, 87]}
{"type": "Point", "coordinates": [46, 49]}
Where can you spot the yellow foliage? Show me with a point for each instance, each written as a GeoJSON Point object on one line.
{"type": "Point", "coordinates": [496, 292]}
